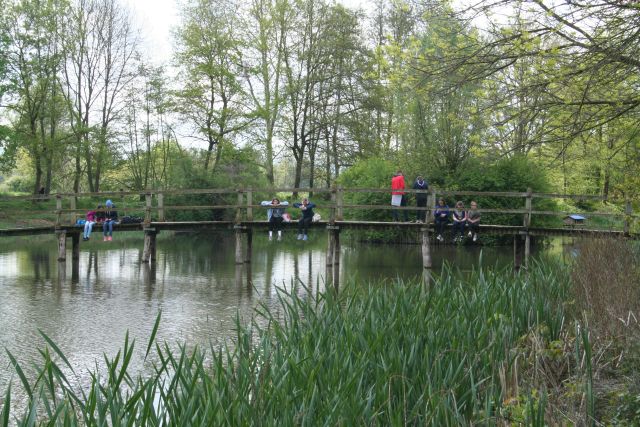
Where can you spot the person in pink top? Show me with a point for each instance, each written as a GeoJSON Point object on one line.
{"type": "Point", "coordinates": [398, 196]}
{"type": "Point", "coordinates": [88, 225]}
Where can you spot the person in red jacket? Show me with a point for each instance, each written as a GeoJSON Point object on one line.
{"type": "Point", "coordinates": [398, 197]}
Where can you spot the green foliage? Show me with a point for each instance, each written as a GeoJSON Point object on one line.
{"type": "Point", "coordinates": [236, 169]}
{"type": "Point", "coordinates": [373, 172]}
{"type": "Point", "coordinates": [516, 173]}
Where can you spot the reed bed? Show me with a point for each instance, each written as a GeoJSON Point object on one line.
{"type": "Point", "coordinates": [374, 354]}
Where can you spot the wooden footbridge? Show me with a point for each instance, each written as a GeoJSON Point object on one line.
{"type": "Point", "coordinates": [238, 211]}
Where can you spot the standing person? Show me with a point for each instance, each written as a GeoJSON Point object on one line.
{"type": "Point", "coordinates": [441, 218]}
{"type": "Point", "coordinates": [274, 215]}
{"type": "Point", "coordinates": [459, 217]}
{"type": "Point", "coordinates": [473, 219]}
{"type": "Point", "coordinates": [110, 218]}
{"type": "Point", "coordinates": [307, 217]}
{"type": "Point", "coordinates": [421, 198]}
{"type": "Point", "coordinates": [398, 196]}
{"type": "Point", "coordinates": [88, 224]}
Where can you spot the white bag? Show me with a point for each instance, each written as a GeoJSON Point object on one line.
{"type": "Point", "coordinates": [396, 199]}
{"type": "Point", "coordinates": [316, 217]}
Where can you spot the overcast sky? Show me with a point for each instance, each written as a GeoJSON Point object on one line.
{"type": "Point", "coordinates": [157, 17]}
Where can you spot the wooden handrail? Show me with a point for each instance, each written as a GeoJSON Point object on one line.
{"type": "Point", "coordinates": [244, 203]}
{"type": "Point", "coordinates": [443, 192]}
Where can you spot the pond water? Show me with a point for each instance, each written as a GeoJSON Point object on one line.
{"type": "Point", "coordinates": [195, 284]}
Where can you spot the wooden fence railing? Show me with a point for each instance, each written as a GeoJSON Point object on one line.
{"type": "Point", "coordinates": [242, 208]}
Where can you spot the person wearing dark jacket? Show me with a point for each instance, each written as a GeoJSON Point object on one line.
{"type": "Point", "coordinates": [307, 217]}
{"type": "Point", "coordinates": [441, 218]}
{"type": "Point", "coordinates": [421, 198]}
{"type": "Point", "coordinates": [110, 218]}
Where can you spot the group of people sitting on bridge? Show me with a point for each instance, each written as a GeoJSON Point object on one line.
{"type": "Point", "coordinates": [460, 217]}
{"type": "Point", "coordinates": [105, 215]}
{"type": "Point", "coordinates": [277, 216]}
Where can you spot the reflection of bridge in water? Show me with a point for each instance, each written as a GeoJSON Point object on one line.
{"type": "Point", "coordinates": [237, 216]}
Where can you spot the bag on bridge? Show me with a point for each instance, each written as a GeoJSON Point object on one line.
{"type": "Point", "coordinates": [316, 218]}
{"type": "Point", "coordinates": [130, 220]}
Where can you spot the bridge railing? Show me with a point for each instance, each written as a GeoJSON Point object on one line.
{"type": "Point", "coordinates": [338, 204]}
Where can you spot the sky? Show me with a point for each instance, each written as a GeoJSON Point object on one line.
{"type": "Point", "coordinates": [157, 17]}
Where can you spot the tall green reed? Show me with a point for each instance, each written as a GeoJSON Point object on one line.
{"type": "Point", "coordinates": [391, 354]}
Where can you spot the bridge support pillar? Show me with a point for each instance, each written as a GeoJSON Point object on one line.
{"type": "Point", "coordinates": [149, 251]}
{"type": "Point", "coordinates": [332, 272]}
{"type": "Point", "coordinates": [62, 245]}
{"type": "Point", "coordinates": [527, 250]}
{"type": "Point", "coordinates": [426, 256]}
{"type": "Point", "coordinates": [75, 254]}
{"type": "Point", "coordinates": [75, 247]}
{"type": "Point", "coordinates": [518, 250]}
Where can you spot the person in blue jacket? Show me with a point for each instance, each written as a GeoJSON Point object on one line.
{"type": "Point", "coordinates": [307, 217]}
{"type": "Point", "coordinates": [110, 218]}
{"type": "Point", "coordinates": [441, 218]}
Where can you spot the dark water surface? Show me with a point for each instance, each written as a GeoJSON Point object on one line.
{"type": "Point", "coordinates": [195, 283]}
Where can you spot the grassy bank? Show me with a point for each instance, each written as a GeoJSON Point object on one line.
{"type": "Point", "coordinates": [390, 355]}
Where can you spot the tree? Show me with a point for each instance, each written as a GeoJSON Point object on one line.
{"type": "Point", "coordinates": [576, 65]}
{"type": "Point", "coordinates": [209, 55]}
{"type": "Point", "coordinates": [263, 66]}
{"type": "Point", "coordinates": [149, 134]}
{"type": "Point", "coordinates": [33, 60]}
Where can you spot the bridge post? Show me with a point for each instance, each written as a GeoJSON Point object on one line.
{"type": "Point", "coordinates": [58, 210]}
{"type": "Point", "coordinates": [72, 215]}
{"type": "Point", "coordinates": [431, 202]}
{"type": "Point", "coordinates": [149, 251]}
{"type": "Point", "coordinates": [239, 206]}
{"type": "Point", "coordinates": [332, 208]}
{"type": "Point", "coordinates": [527, 206]}
{"type": "Point", "coordinates": [62, 245]}
{"type": "Point", "coordinates": [426, 254]}
{"type": "Point", "coordinates": [75, 247]}
{"type": "Point", "coordinates": [627, 217]}
{"type": "Point", "coordinates": [160, 197]}
{"type": "Point", "coordinates": [249, 203]}
{"type": "Point", "coordinates": [339, 204]}
{"type": "Point", "coordinates": [527, 224]}
{"type": "Point", "coordinates": [147, 209]}
{"type": "Point", "coordinates": [517, 252]}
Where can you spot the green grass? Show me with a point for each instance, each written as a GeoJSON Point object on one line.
{"type": "Point", "coordinates": [371, 355]}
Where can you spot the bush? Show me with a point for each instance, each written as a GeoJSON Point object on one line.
{"type": "Point", "coordinates": [236, 169]}
{"type": "Point", "coordinates": [507, 174]}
